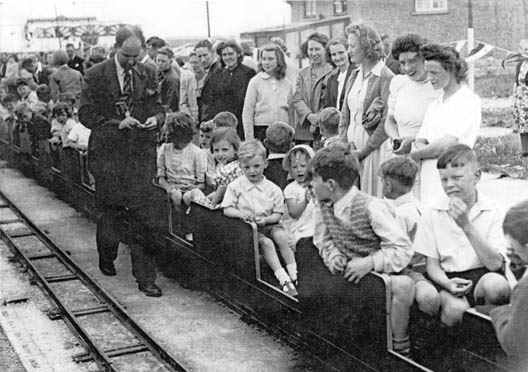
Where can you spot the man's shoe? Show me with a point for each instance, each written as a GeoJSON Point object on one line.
{"type": "Point", "coordinates": [107, 269]}
{"type": "Point", "coordinates": [150, 290]}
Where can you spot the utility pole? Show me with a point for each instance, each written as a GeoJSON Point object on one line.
{"type": "Point", "coordinates": [208, 24]}
{"type": "Point", "coordinates": [471, 45]}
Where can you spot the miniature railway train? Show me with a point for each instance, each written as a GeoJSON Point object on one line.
{"type": "Point", "coordinates": [346, 325]}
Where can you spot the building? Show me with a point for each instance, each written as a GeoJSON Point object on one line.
{"type": "Point", "coordinates": [502, 23]}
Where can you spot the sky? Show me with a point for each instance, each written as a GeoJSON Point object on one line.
{"type": "Point", "coordinates": [165, 18]}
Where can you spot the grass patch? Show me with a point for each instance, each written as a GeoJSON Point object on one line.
{"type": "Point", "coordinates": [502, 155]}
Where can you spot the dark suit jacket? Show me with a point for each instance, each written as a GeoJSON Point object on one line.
{"type": "Point", "coordinates": [331, 85]}
{"type": "Point", "coordinates": [77, 63]}
{"type": "Point", "coordinates": [234, 84]}
{"type": "Point", "coordinates": [123, 162]}
{"type": "Point", "coordinates": [210, 102]}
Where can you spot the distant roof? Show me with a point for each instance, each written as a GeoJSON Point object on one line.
{"type": "Point", "coordinates": [60, 18]}
{"type": "Point", "coordinates": [300, 25]}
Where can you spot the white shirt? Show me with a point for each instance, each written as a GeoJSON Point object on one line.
{"type": "Point", "coordinates": [440, 237]}
{"type": "Point", "coordinates": [341, 80]}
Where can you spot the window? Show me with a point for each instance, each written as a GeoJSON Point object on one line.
{"type": "Point", "coordinates": [340, 7]}
{"type": "Point", "coordinates": [430, 5]}
{"type": "Point", "coordinates": [310, 8]}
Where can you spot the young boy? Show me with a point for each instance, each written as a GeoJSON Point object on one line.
{"type": "Point", "coordinates": [253, 198]}
{"type": "Point", "coordinates": [462, 239]}
{"type": "Point", "coordinates": [279, 140]}
{"type": "Point", "coordinates": [511, 321]}
{"type": "Point", "coordinates": [206, 131]}
{"type": "Point", "coordinates": [398, 175]}
{"type": "Point", "coordinates": [226, 119]}
{"type": "Point", "coordinates": [328, 123]}
{"type": "Point", "coordinates": [356, 233]}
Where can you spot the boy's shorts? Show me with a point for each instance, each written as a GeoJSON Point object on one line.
{"type": "Point", "coordinates": [268, 230]}
{"type": "Point", "coordinates": [416, 276]}
{"type": "Point", "coordinates": [474, 275]}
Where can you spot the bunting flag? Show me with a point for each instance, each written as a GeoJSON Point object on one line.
{"type": "Point", "coordinates": [77, 31]}
{"type": "Point", "coordinates": [479, 51]}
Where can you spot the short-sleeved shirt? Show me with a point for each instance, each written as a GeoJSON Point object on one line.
{"type": "Point", "coordinates": [458, 116]}
{"type": "Point", "coordinates": [302, 227]}
{"type": "Point", "coordinates": [410, 210]}
{"type": "Point", "coordinates": [227, 173]}
{"type": "Point", "coordinates": [440, 237]}
{"type": "Point", "coordinates": [183, 168]}
{"type": "Point", "coordinates": [261, 199]}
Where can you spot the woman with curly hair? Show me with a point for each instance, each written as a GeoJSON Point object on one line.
{"type": "Point", "coordinates": [365, 105]}
{"type": "Point", "coordinates": [334, 84]}
{"type": "Point", "coordinates": [269, 94]}
{"type": "Point", "coordinates": [410, 94]}
{"type": "Point", "coordinates": [454, 117]}
{"type": "Point", "coordinates": [308, 88]}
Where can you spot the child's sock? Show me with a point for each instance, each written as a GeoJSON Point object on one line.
{"type": "Point", "coordinates": [282, 276]}
{"type": "Point", "coordinates": [292, 271]}
{"type": "Point", "coordinates": [402, 346]}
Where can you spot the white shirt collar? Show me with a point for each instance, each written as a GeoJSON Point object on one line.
{"type": "Point", "coordinates": [120, 70]}
{"type": "Point", "coordinates": [345, 201]}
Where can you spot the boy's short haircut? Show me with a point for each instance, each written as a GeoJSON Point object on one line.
{"type": "Point", "coordinates": [22, 108]}
{"type": "Point", "coordinates": [21, 81]}
{"type": "Point", "coordinates": [401, 169]}
{"type": "Point", "coordinates": [42, 89]}
{"type": "Point", "coordinates": [10, 97]}
{"type": "Point", "coordinates": [39, 108]}
{"type": "Point", "coordinates": [225, 119]}
{"type": "Point", "coordinates": [457, 155]}
{"type": "Point", "coordinates": [251, 148]}
{"type": "Point", "coordinates": [61, 107]}
{"type": "Point", "coordinates": [295, 150]}
{"type": "Point", "coordinates": [207, 126]}
{"type": "Point", "coordinates": [279, 137]}
{"type": "Point", "coordinates": [336, 162]}
{"type": "Point", "coordinates": [180, 125]}
{"type": "Point", "coordinates": [329, 119]}
{"type": "Point", "coordinates": [226, 134]}
{"type": "Point", "coordinates": [515, 222]}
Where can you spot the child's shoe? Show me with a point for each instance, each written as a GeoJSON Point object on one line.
{"type": "Point", "coordinates": [289, 289]}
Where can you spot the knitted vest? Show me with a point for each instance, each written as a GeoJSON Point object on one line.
{"type": "Point", "coordinates": [354, 238]}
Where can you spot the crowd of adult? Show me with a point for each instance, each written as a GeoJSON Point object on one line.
{"type": "Point", "coordinates": [384, 129]}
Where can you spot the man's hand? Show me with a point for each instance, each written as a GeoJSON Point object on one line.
{"type": "Point", "coordinates": [151, 123]}
{"type": "Point", "coordinates": [261, 221]}
{"type": "Point", "coordinates": [459, 211]}
{"type": "Point", "coordinates": [357, 268]}
{"type": "Point", "coordinates": [459, 287]}
{"type": "Point", "coordinates": [128, 123]}
{"type": "Point", "coordinates": [336, 264]}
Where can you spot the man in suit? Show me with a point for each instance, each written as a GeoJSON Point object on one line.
{"type": "Point", "coordinates": [119, 104]}
{"type": "Point", "coordinates": [210, 100]}
{"type": "Point", "coordinates": [74, 61]}
{"type": "Point", "coordinates": [65, 79]}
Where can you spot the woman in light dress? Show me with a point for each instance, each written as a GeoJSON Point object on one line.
{"type": "Point", "coordinates": [365, 106]}
{"type": "Point", "coordinates": [454, 117]}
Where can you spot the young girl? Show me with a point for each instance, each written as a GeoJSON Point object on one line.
{"type": "Point", "coordinates": [224, 143]}
{"type": "Point", "coordinates": [205, 134]}
{"type": "Point", "coordinates": [61, 123]}
{"type": "Point", "coordinates": [269, 95]}
{"type": "Point", "coordinates": [181, 164]}
{"type": "Point", "coordinates": [298, 220]}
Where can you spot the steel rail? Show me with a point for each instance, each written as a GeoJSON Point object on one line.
{"type": "Point", "coordinates": [166, 358]}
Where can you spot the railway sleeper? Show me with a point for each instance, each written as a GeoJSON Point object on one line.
{"type": "Point", "coordinates": [56, 314]}
{"type": "Point", "coordinates": [111, 353]}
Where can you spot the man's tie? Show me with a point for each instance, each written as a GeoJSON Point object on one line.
{"type": "Point", "coordinates": [127, 87]}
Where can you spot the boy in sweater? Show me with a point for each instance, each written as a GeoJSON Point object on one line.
{"type": "Point", "coordinates": [356, 233]}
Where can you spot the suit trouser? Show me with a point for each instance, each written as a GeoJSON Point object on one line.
{"type": "Point", "coordinates": [112, 229]}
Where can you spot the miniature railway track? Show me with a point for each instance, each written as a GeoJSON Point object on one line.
{"type": "Point", "coordinates": [110, 337]}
